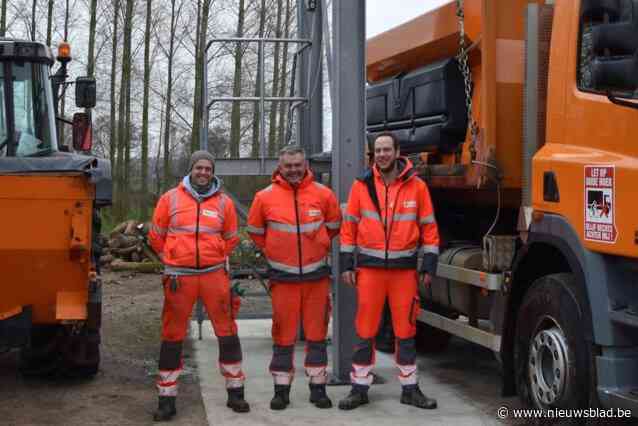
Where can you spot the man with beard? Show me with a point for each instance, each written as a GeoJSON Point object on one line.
{"type": "Point", "coordinates": [293, 221]}
{"type": "Point", "coordinates": [389, 216]}
{"type": "Point", "coordinates": [194, 230]}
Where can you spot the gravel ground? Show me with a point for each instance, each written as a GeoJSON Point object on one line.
{"type": "Point", "coordinates": [123, 392]}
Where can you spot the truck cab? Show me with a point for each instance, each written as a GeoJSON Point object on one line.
{"type": "Point", "coordinates": [50, 294]}
{"type": "Point", "coordinates": [27, 115]}
{"type": "Point", "coordinates": [534, 195]}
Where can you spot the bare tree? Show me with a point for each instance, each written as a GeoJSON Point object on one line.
{"type": "Point", "coordinates": [3, 18]}
{"type": "Point", "coordinates": [201, 56]}
{"type": "Point", "coordinates": [33, 11]}
{"type": "Point", "coordinates": [284, 80]}
{"type": "Point", "coordinates": [145, 108]}
{"type": "Point", "coordinates": [114, 55]}
{"type": "Point", "coordinates": [49, 22]}
{"type": "Point", "coordinates": [123, 130]}
{"type": "Point", "coordinates": [169, 91]}
{"type": "Point", "coordinates": [235, 120]}
{"type": "Point", "coordinates": [90, 67]}
{"type": "Point", "coordinates": [63, 100]}
{"type": "Point", "coordinates": [272, 131]}
{"type": "Point", "coordinates": [257, 106]}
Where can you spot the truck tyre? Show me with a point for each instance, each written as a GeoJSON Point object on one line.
{"type": "Point", "coordinates": [41, 358]}
{"type": "Point", "coordinates": [56, 351]}
{"type": "Point", "coordinates": [552, 355]}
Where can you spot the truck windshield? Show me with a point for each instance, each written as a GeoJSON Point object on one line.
{"type": "Point", "coordinates": [26, 115]}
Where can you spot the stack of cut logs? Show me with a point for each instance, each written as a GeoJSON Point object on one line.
{"type": "Point", "coordinates": [127, 249]}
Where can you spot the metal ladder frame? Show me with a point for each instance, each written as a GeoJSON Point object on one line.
{"type": "Point", "coordinates": [262, 99]}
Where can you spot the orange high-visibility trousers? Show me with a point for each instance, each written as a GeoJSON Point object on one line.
{"type": "Point", "coordinates": [292, 302]}
{"type": "Point", "coordinates": [399, 286]}
{"type": "Point", "coordinates": [180, 294]}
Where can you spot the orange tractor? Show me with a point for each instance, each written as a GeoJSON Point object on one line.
{"type": "Point", "coordinates": [50, 292]}
{"type": "Point", "coordinates": [520, 115]}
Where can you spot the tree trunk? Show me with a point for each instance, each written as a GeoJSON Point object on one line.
{"type": "Point", "coordinates": [114, 55]}
{"type": "Point", "coordinates": [49, 21]}
{"type": "Point", "coordinates": [123, 145]}
{"type": "Point", "coordinates": [283, 85]}
{"type": "Point", "coordinates": [202, 35]}
{"type": "Point", "coordinates": [3, 18]}
{"type": "Point", "coordinates": [235, 118]}
{"type": "Point", "coordinates": [63, 101]}
{"type": "Point", "coordinates": [33, 20]}
{"type": "Point", "coordinates": [169, 93]}
{"type": "Point", "coordinates": [158, 156]}
{"type": "Point", "coordinates": [147, 78]}
{"type": "Point", "coordinates": [272, 131]}
{"type": "Point", "coordinates": [90, 67]}
{"type": "Point", "coordinates": [257, 106]}
{"type": "Point", "coordinates": [198, 82]}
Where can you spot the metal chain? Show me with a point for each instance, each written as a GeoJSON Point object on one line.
{"type": "Point", "coordinates": [464, 67]}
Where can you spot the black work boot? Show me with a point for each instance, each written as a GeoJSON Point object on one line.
{"type": "Point", "coordinates": [282, 397]}
{"type": "Point", "coordinates": [236, 400]}
{"type": "Point", "coordinates": [412, 395]}
{"type": "Point", "coordinates": [318, 396]}
{"type": "Point", "coordinates": [358, 396]}
{"type": "Point", "coordinates": [165, 409]}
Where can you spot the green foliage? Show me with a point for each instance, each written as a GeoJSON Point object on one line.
{"type": "Point", "coordinates": [246, 253]}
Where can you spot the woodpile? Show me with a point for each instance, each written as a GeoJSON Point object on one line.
{"type": "Point", "coordinates": [127, 249]}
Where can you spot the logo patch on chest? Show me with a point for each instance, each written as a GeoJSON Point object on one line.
{"type": "Point", "coordinates": [314, 212]}
{"type": "Point", "coordinates": [210, 213]}
{"type": "Point", "coordinates": [410, 204]}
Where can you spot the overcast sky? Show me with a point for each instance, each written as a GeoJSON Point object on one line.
{"type": "Point", "coordinates": [384, 14]}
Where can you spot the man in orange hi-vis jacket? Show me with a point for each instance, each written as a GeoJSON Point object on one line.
{"type": "Point", "coordinates": [389, 217]}
{"type": "Point", "coordinates": [194, 230]}
{"type": "Point", "coordinates": [292, 221]}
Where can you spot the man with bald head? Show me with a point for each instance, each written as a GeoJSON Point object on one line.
{"type": "Point", "coordinates": [194, 230]}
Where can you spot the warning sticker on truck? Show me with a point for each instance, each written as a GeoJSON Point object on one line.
{"type": "Point", "coordinates": [599, 204]}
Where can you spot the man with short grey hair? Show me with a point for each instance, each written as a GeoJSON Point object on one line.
{"type": "Point", "coordinates": [293, 221]}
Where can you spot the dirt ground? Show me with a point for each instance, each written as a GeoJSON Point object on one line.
{"type": "Point", "coordinates": [123, 392]}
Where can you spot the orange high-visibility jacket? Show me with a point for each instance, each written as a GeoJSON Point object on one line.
{"type": "Point", "coordinates": [187, 233]}
{"type": "Point", "coordinates": [294, 227]}
{"type": "Point", "coordinates": [389, 233]}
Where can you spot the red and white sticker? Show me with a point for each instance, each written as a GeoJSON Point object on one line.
{"type": "Point", "coordinates": [600, 205]}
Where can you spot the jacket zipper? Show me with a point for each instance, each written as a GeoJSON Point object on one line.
{"type": "Point", "coordinates": [385, 226]}
{"type": "Point", "coordinates": [197, 237]}
{"type": "Point", "coordinates": [388, 230]}
{"type": "Point", "coordinates": [298, 231]}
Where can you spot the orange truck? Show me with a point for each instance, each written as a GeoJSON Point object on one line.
{"type": "Point", "coordinates": [520, 117]}
{"type": "Point", "coordinates": [50, 292]}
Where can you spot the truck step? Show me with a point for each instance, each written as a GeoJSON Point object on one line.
{"type": "Point", "coordinates": [624, 316]}
{"type": "Point", "coordinates": [486, 280]}
{"type": "Point", "coordinates": [625, 398]}
{"type": "Point", "coordinates": [462, 329]}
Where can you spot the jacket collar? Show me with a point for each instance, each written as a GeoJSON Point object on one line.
{"type": "Point", "coordinates": [214, 189]}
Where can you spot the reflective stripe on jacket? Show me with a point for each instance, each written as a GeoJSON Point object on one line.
{"type": "Point", "coordinates": [294, 226]}
{"type": "Point", "coordinates": [391, 234]}
{"type": "Point", "coordinates": [194, 233]}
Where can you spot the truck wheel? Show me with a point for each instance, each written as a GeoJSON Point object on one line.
{"type": "Point", "coordinates": [41, 358]}
{"type": "Point", "coordinates": [552, 356]}
{"type": "Point", "coordinates": [56, 351]}
{"type": "Point", "coordinates": [83, 355]}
